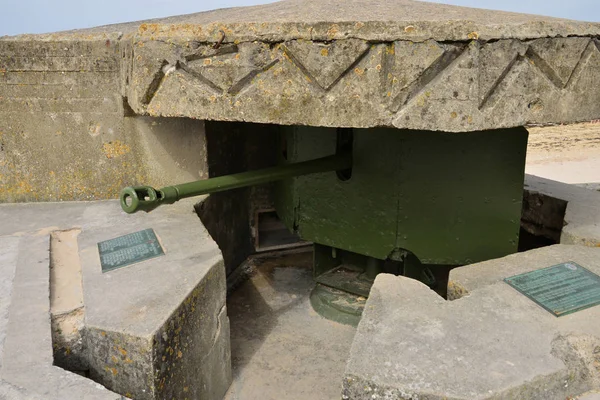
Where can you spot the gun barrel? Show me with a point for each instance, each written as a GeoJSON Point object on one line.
{"type": "Point", "coordinates": [146, 198]}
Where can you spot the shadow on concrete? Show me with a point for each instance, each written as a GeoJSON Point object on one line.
{"type": "Point", "coordinates": [276, 286]}
{"type": "Point", "coordinates": [280, 347]}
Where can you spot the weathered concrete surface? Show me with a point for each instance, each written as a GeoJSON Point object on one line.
{"type": "Point", "coordinates": [466, 279]}
{"type": "Point", "coordinates": [492, 344]}
{"type": "Point", "coordinates": [67, 99]}
{"type": "Point", "coordinates": [26, 356]}
{"type": "Point", "coordinates": [66, 301]}
{"type": "Point", "coordinates": [565, 213]}
{"type": "Point", "coordinates": [152, 337]}
{"type": "Point", "coordinates": [66, 133]}
{"type": "Point", "coordinates": [401, 64]}
{"type": "Point", "coordinates": [590, 186]}
{"type": "Point", "coordinates": [357, 63]}
{"type": "Point", "coordinates": [11, 392]}
{"type": "Point", "coordinates": [281, 348]}
{"type": "Point", "coordinates": [8, 263]}
{"type": "Point", "coordinates": [448, 86]}
{"type": "Point", "coordinates": [154, 330]}
{"type": "Point", "coordinates": [383, 21]}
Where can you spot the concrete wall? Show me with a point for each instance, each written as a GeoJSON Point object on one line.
{"type": "Point", "coordinates": [229, 216]}
{"type": "Point", "coordinates": [66, 133]}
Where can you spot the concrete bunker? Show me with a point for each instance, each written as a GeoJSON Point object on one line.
{"type": "Point", "coordinates": [429, 102]}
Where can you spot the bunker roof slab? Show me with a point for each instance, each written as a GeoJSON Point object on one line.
{"type": "Point", "coordinates": [399, 64]}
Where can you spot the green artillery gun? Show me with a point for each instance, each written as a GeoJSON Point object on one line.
{"type": "Point", "coordinates": [416, 203]}
{"type": "Point", "coordinates": [146, 198]}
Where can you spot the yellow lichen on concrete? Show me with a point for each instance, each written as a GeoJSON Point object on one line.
{"type": "Point", "coordinates": [333, 31]}
{"type": "Point", "coordinates": [456, 291]}
{"type": "Point", "coordinates": [111, 370]}
{"type": "Point", "coordinates": [115, 149]}
{"type": "Point", "coordinates": [16, 184]}
{"type": "Point", "coordinates": [359, 71]}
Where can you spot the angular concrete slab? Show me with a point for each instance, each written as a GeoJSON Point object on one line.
{"type": "Point", "coordinates": [471, 277]}
{"type": "Point", "coordinates": [153, 330]}
{"type": "Point", "coordinates": [493, 343]}
{"type": "Point", "coordinates": [565, 213]}
{"type": "Point", "coordinates": [401, 63]}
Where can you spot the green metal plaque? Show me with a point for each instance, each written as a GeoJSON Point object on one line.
{"type": "Point", "coordinates": [561, 289]}
{"type": "Point", "coordinates": [129, 249]}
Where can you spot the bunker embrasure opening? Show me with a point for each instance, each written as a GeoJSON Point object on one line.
{"type": "Point", "coordinates": [413, 203]}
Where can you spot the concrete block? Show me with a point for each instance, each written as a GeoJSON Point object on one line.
{"type": "Point", "coordinates": [465, 279]}
{"type": "Point", "coordinates": [159, 328]}
{"type": "Point", "coordinates": [83, 143]}
{"type": "Point", "coordinates": [430, 84]}
{"type": "Point", "coordinates": [402, 64]}
{"type": "Point", "coordinates": [562, 212]}
{"type": "Point", "coordinates": [67, 311]}
{"type": "Point", "coordinates": [153, 330]}
{"type": "Point", "coordinates": [491, 343]}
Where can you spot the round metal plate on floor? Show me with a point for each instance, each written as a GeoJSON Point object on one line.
{"type": "Point", "coordinates": [337, 305]}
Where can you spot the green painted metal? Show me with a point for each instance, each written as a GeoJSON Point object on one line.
{"type": "Point", "coordinates": [146, 198]}
{"type": "Point", "coordinates": [561, 289]}
{"type": "Point", "coordinates": [351, 272]}
{"type": "Point", "coordinates": [450, 199]}
{"type": "Point", "coordinates": [358, 215]}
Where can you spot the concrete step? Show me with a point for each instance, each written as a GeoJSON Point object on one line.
{"type": "Point", "coordinates": [27, 356]}
{"type": "Point", "coordinates": [9, 250]}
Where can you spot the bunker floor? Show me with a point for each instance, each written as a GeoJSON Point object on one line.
{"type": "Point", "coordinates": [280, 347]}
